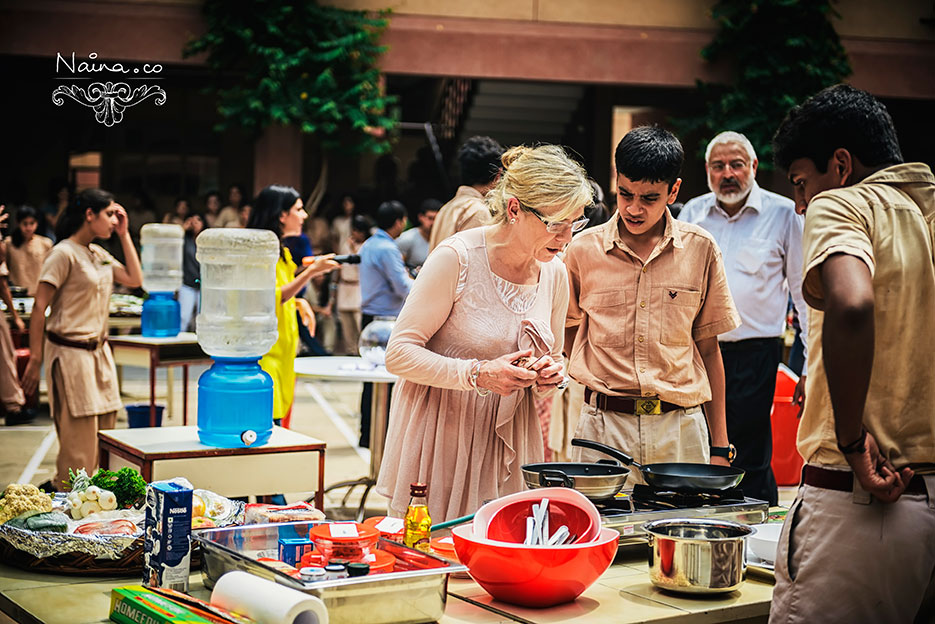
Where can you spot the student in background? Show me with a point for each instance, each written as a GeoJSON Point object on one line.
{"type": "Point", "coordinates": [26, 250]}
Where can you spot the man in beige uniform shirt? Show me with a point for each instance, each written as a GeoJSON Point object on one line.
{"type": "Point", "coordinates": [479, 159]}
{"type": "Point", "coordinates": [648, 298]}
{"type": "Point", "coordinates": [11, 393]}
{"type": "Point", "coordinates": [862, 549]}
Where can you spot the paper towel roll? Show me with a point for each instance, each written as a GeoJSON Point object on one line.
{"type": "Point", "coordinates": [266, 601]}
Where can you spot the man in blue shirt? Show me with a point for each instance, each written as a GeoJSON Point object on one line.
{"type": "Point", "coordinates": [384, 285]}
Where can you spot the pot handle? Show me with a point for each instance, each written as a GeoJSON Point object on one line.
{"type": "Point", "coordinates": [555, 478]}
{"type": "Point", "coordinates": [607, 450]}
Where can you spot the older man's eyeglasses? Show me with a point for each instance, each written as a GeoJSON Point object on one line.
{"type": "Point", "coordinates": [558, 227]}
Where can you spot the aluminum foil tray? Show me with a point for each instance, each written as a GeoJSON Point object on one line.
{"type": "Point", "coordinates": [415, 592]}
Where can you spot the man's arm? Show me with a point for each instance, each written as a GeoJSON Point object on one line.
{"type": "Point", "coordinates": [794, 274]}
{"type": "Point", "coordinates": [848, 344]}
{"type": "Point", "coordinates": [391, 261]}
{"type": "Point", "coordinates": [715, 410]}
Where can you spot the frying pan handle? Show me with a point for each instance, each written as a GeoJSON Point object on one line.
{"type": "Point", "coordinates": [607, 450]}
{"type": "Point", "coordinates": [555, 478]}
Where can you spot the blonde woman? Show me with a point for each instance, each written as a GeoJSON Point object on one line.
{"type": "Point", "coordinates": [462, 417]}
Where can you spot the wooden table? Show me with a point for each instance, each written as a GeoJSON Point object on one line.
{"type": "Point", "coordinates": [287, 463]}
{"type": "Point", "coordinates": [348, 368]}
{"type": "Point", "coordinates": [146, 352]}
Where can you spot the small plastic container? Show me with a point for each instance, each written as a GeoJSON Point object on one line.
{"type": "Point", "coordinates": [358, 569]}
{"type": "Point", "coordinates": [387, 526]}
{"type": "Point", "coordinates": [311, 574]}
{"type": "Point", "coordinates": [345, 540]}
{"type": "Point", "coordinates": [335, 571]}
{"type": "Point", "coordinates": [383, 562]}
{"type": "Point", "coordinates": [138, 415]}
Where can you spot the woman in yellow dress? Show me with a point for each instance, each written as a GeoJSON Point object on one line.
{"type": "Point", "coordinates": [279, 208]}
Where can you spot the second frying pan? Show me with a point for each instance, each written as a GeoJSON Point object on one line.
{"type": "Point", "coordinates": [675, 475]}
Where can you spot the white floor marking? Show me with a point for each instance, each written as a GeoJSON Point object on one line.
{"type": "Point", "coordinates": [350, 435]}
{"type": "Point", "coordinates": [30, 470]}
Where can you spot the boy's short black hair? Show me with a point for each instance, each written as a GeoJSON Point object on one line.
{"type": "Point", "coordinates": [362, 224]}
{"type": "Point", "coordinates": [388, 213]}
{"type": "Point", "coordinates": [836, 117]}
{"type": "Point", "coordinates": [650, 153]}
{"type": "Point", "coordinates": [479, 158]}
{"type": "Point", "coordinates": [429, 205]}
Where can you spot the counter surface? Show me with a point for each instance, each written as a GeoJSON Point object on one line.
{"type": "Point", "coordinates": [622, 595]}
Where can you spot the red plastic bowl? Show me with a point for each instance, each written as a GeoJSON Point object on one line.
{"type": "Point", "coordinates": [535, 576]}
{"type": "Point", "coordinates": [508, 524]}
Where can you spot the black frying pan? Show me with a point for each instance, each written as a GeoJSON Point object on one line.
{"type": "Point", "coordinates": [674, 476]}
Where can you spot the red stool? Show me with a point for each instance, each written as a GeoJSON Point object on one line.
{"type": "Point", "coordinates": [786, 462]}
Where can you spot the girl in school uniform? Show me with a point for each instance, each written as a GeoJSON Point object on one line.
{"type": "Point", "coordinates": [76, 282]}
{"type": "Point", "coordinates": [279, 209]}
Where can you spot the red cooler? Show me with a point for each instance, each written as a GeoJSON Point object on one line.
{"type": "Point", "coordinates": [787, 463]}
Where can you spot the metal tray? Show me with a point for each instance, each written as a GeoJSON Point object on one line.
{"type": "Point", "coordinates": [415, 592]}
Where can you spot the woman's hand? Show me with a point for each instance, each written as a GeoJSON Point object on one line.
{"type": "Point", "coordinates": [123, 221]}
{"type": "Point", "coordinates": [502, 377]}
{"type": "Point", "coordinates": [306, 313]}
{"type": "Point", "coordinates": [31, 376]}
{"type": "Point", "coordinates": [549, 373]}
{"type": "Point", "coordinates": [321, 265]}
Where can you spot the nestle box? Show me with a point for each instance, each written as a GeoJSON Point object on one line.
{"type": "Point", "coordinates": [167, 542]}
{"type": "Point", "coordinates": [292, 549]}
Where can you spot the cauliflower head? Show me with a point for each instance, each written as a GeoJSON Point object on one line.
{"type": "Point", "coordinates": [18, 498]}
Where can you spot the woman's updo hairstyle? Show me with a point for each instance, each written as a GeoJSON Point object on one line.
{"type": "Point", "coordinates": [71, 221]}
{"type": "Point", "coordinates": [544, 178]}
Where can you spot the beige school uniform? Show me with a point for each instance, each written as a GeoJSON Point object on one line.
{"type": "Point", "coordinates": [83, 391]}
{"type": "Point", "coordinates": [637, 326]}
{"type": "Point", "coordinates": [11, 393]}
{"type": "Point", "coordinates": [25, 261]}
{"type": "Point", "coordinates": [464, 211]}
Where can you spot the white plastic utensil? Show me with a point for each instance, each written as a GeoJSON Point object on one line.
{"type": "Point", "coordinates": [560, 536]}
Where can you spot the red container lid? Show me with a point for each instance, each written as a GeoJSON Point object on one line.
{"type": "Point", "coordinates": [344, 532]}
{"type": "Point", "coordinates": [444, 546]}
{"type": "Point", "coordinates": [381, 523]}
{"type": "Point", "coordinates": [384, 562]}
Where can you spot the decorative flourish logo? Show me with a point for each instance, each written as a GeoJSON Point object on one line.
{"type": "Point", "coordinates": [107, 98]}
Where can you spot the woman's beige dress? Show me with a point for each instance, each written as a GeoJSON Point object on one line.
{"type": "Point", "coordinates": [468, 448]}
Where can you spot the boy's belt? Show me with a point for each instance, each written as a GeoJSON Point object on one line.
{"type": "Point", "coordinates": [629, 405]}
{"type": "Point", "coordinates": [87, 345]}
{"type": "Point", "coordinates": [843, 480]}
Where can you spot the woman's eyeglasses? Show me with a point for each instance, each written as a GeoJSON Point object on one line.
{"type": "Point", "coordinates": [558, 227]}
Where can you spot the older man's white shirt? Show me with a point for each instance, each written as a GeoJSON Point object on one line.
{"type": "Point", "coordinates": [762, 247]}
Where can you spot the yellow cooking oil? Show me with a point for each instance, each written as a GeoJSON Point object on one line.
{"type": "Point", "coordinates": [418, 528]}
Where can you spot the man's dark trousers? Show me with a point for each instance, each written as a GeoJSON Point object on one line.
{"type": "Point", "coordinates": [750, 368]}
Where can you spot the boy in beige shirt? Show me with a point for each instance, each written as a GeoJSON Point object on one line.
{"type": "Point", "coordinates": [648, 299]}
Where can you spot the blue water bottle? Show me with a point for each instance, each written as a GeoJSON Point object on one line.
{"type": "Point", "coordinates": [161, 258]}
{"type": "Point", "coordinates": [236, 326]}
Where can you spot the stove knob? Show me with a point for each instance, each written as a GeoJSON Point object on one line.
{"type": "Point", "coordinates": [248, 437]}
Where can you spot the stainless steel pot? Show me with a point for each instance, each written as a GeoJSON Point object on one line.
{"type": "Point", "coordinates": [696, 555]}
{"type": "Point", "coordinates": [597, 481]}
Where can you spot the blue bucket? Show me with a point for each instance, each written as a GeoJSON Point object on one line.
{"type": "Point", "coordinates": [138, 415]}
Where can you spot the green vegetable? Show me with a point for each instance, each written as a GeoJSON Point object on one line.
{"type": "Point", "coordinates": [40, 521]}
{"type": "Point", "coordinates": [126, 484]}
{"type": "Point", "coordinates": [77, 481]}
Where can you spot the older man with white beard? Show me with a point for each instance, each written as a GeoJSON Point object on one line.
{"type": "Point", "coordinates": [760, 236]}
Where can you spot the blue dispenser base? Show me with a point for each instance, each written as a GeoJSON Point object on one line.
{"type": "Point", "coordinates": [162, 316]}
{"type": "Point", "coordinates": [235, 404]}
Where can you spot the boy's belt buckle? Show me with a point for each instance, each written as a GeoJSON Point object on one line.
{"type": "Point", "coordinates": [648, 406]}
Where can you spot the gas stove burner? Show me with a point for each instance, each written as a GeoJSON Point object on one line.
{"type": "Point", "coordinates": [614, 506]}
{"type": "Point", "coordinates": [647, 497]}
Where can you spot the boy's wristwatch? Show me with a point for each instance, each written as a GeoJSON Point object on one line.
{"type": "Point", "coordinates": [729, 452]}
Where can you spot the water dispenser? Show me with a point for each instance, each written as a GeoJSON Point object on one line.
{"type": "Point", "coordinates": [161, 257]}
{"type": "Point", "coordinates": [236, 326]}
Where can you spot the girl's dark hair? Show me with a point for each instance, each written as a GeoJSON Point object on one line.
{"type": "Point", "coordinates": [269, 206]}
{"type": "Point", "coordinates": [24, 212]}
{"type": "Point", "coordinates": [71, 221]}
